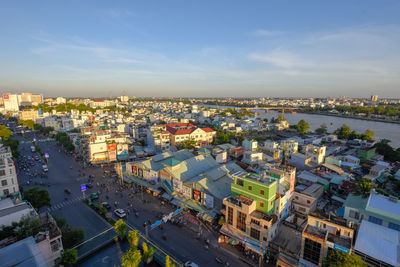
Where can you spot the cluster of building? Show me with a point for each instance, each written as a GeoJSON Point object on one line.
{"type": "Point", "coordinates": [292, 200]}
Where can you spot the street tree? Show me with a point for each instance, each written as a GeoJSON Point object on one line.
{"type": "Point", "coordinates": [120, 228]}
{"type": "Point", "coordinates": [368, 134]}
{"type": "Point", "coordinates": [322, 129]}
{"type": "Point", "coordinates": [168, 262]}
{"type": "Point", "coordinates": [131, 258]}
{"type": "Point", "coordinates": [5, 133]}
{"type": "Point", "coordinates": [189, 144]}
{"type": "Point", "coordinates": [69, 257]}
{"type": "Point", "coordinates": [133, 238]}
{"type": "Point", "coordinates": [302, 126]}
{"type": "Point", "coordinates": [37, 197]}
{"type": "Point", "coordinates": [339, 259]}
{"type": "Point", "coordinates": [343, 132]}
{"type": "Point", "coordinates": [72, 236]}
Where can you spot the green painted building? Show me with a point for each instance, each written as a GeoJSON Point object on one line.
{"type": "Point", "coordinates": [262, 190]}
{"type": "Point", "coordinates": [365, 154]}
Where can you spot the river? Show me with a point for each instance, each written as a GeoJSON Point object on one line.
{"type": "Point", "coordinates": [390, 131]}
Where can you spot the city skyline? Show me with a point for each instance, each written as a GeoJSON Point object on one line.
{"type": "Point", "coordinates": [201, 50]}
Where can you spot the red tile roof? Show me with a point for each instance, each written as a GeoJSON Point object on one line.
{"type": "Point", "coordinates": [208, 130]}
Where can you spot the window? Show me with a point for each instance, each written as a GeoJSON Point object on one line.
{"type": "Point", "coordinates": [255, 222]}
{"type": "Point", "coordinates": [4, 183]}
{"type": "Point", "coordinates": [296, 197]}
{"type": "Point", "coordinates": [254, 233]}
{"type": "Point", "coordinates": [394, 226]}
{"type": "Point", "coordinates": [354, 214]}
{"type": "Point", "coordinates": [375, 220]}
{"type": "Point", "coordinates": [239, 181]}
{"type": "Point", "coordinates": [262, 192]}
{"type": "Point", "coordinates": [261, 204]}
{"type": "Point", "coordinates": [312, 251]}
{"type": "Point", "coordinates": [6, 192]}
{"type": "Point", "coordinates": [230, 216]}
{"type": "Point", "coordinates": [265, 227]}
{"type": "Point", "coordinates": [2, 172]}
{"type": "Point", "coordinates": [241, 221]}
{"type": "Point", "coordinates": [11, 171]}
{"type": "Point", "coordinates": [250, 187]}
{"type": "Point", "coordinates": [308, 201]}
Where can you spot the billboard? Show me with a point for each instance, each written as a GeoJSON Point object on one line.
{"type": "Point", "coordinates": [112, 152]}
{"type": "Point", "coordinates": [197, 195]}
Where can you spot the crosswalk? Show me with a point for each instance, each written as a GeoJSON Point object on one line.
{"type": "Point", "coordinates": [64, 204]}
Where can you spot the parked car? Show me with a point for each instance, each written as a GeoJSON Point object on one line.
{"type": "Point", "coordinates": [66, 190]}
{"type": "Point", "coordinates": [191, 264]}
{"type": "Point", "coordinates": [120, 213]}
{"type": "Point", "coordinates": [89, 185]}
{"type": "Point", "coordinates": [106, 205]}
{"type": "Point", "coordinates": [94, 196]}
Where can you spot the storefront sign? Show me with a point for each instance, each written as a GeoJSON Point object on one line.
{"type": "Point", "coordinates": [196, 195]}
{"type": "Point", "coordinates": [186, 191]}
{"type": "Point", "coordinates": [209, 200]}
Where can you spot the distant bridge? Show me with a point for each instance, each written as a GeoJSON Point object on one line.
{"type": "Point", "coordinates": [269, 108]}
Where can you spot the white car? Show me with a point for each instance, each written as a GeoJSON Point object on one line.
{"type": "Point", "coordinates": [191, 264]}
{"type": "Point", "coordinates": [120, 213]}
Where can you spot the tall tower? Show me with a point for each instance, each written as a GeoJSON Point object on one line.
{"type": "Point", "coordinates": [110, 95]}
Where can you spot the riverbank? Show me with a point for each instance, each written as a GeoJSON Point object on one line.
{"type": "Point", "coordinates": [347, 116]}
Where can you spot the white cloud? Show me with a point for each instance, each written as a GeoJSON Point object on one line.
{"type": "Point", "coordinates": [279, 58]}
{"type": "Point", "coordinates": [267, 33]}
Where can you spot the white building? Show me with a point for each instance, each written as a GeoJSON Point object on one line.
{"type": "Point", "coordinates": [61, 100]}
{"type": "Point", "coordinates": [11, 102]}
{"type": "Point", "coordinates": [8, 174]}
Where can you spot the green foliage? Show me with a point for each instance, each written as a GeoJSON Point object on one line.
{"type": "Point", "coordinates": [13, 144]}
{"type": "Point", "coordinates": [364, 186]}
{"type": "Point", "coordinates": [189, 144]}
{"type": "Point", "coordinates": [61, 222]}
{"type": "Point", "coordinates": [133, 238]}
{"type": "Point", "coordinates": [120, 228]}
{"type": "Point", "coordinates": [131, 258]}
{"type": "Point", "coordinates": [221, 220]}
{"type": "Point", "coordinates": [346, 133]}
{"type": "Point", "coordinates": [27, 226]}
{"type": "Point", "coordinates": [168, 262]}
{"type": "Point", "coordinates": [37, 197]}
{"type": "Point", "coordinates": [69, 257]}
{"type": "Point", "coordinates": [45, 130]}
{"type": "Point", "coordinates": [379, 110]}
{"type": "Point", "coordinates": [322, 129]}
{"type": "Point", "coordinates": [387, 151]}
{"type": "Point", "coordinates": [72, 236]}
{"type": "Point", "coordinates": [28, 123]}
{"type": "Point", "coordinates": [339, 259]}
{"type": "Point", "coordinates": [64, 140]}
{"type": "Point", "coordinates": [302, 126]}
{"type": "Point", "coordinates": [5, 133]}
{"type": "Point", "coordinates": [237, 114]}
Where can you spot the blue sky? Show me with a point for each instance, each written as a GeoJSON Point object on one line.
{"type": "Point", "coordinates": [201, 48]}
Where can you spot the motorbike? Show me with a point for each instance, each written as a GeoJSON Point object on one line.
{"type": "Point", "coordinates": [164, 237]}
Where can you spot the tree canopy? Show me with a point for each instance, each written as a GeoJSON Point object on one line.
{"type": "Point", "coordinates": [69, 257]}
{"type": "Point", "coordinates": [302, 126]}
{"type": "Point", "coordinates": [322, 129]}
{"type": "Point", "coordinates": [131, 258]}
{"type": "Point", "coordinates": [339, 259]}
{"type": "Point", "coordinates": [5, 133]}
{"type": "Point", "coordinates": [37, 197]}
{"type": "Point", "coordinates": [133, 238]}
{"type": "Point", "coordinates": [120, 228]}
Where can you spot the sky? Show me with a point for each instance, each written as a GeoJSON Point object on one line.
{"type": "Point", "coordinates": [224, 48]}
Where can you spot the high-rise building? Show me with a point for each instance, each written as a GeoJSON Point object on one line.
{"type": "Point", "coordinates": [11, 102]}
{"type": "Point", "coordinates": [8, 175]}
{"type": "Point", "coordinates": [374, 98]}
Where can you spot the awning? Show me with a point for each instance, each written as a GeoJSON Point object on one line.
{"type": "Point", "coordinates": [155, 190]}
{"type": "Point", "coordinates": [253, 245]}
{"type": "Point", "coordinates": [127, 180]}
{"type": "Point", "coordinates": [176, 202]}
{"type": "Point", "coordinates": [166, 196]}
